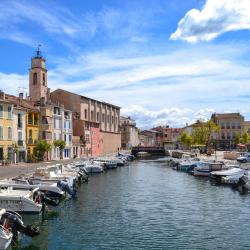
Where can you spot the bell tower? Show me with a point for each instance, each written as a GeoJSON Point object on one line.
{"type": "Point", "coordinates": [38, 89]}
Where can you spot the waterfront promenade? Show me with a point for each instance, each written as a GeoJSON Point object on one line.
{"type": "Point", "coordinates": [25, 168]}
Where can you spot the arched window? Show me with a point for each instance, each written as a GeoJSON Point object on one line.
{"type": "Point", "coordinates": [9, 133]}
{"type": "Point", "coordinates": [35, 78]}
{"type": "Point", "coordinates": [44, 79]}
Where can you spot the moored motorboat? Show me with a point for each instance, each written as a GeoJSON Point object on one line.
{"type": "Point", "coordinates": [204, 170]}
{"type": "Point", "coordinates": [50, 189]}
{"type": "Point", "coordinates": [20, 200]}
{"type": "Point", "coordinates": [229, 176]}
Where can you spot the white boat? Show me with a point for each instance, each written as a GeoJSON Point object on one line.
{"type": "Point", "coordinates": [109, 164]}
{"type": "Point", "coordinates": [5, 238]}
{"type": "Point", "coordinates": [20, 200]}
{"type": "Point", "coordinates": [205, 169]}
{"type": "Point", "coordinates": [49, 189]}
{"type": "Point", "coordinates": [92, 167]}
{"type": "Point", "coordinates": [229, 176]}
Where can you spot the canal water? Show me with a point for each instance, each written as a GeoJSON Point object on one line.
{"type": "Point", "coordinates": [146, 206]}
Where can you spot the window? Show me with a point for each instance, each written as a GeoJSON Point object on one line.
{"type": "Point", "coordinates": [108, 119]}
{"type": "Point", "coordinates": [92, 115]}
{"type": "Point", "coordinates": [9, 133]}
{"type": "Point", "coordinates": [60, 123]}
{"type": "Point", "coordinates": [36, 119]}
{"type": "Point", "coordinates": [35, 136]}
{"type": "Point", "coordinates": [69, 138]}
{"type": "Point", "coordinates": [1, 111]}
{"type": "Point", "coordinates": [97, 116]}
{"type": "Point", "coordinates": [34, 78]}
{"type": "Point", "coordinates": [19, 121]}
{"type": "Point", "coordinates": [65, 138]}
{"type": "Point", "coordinates": [30, 119]}
{"type": "Point", "coordinates": [103, 117]}
{"type": "Point", "coordinates": [44, 135]}
{"type": "Point", "coordinates": [54, 136]}
{"type": "Point", "coordinates": [87, 138]}
{"type": "Point", "coordinates": [112, 119]}
{"type": "Point", "coordinates": [85, 113]}
{"type": "Point", "coordinates": [20, 136]}
{"type": "Point", "coordinates": [9, 112]}
{"type": "Point", "coordinates": [44, 120]}
{"type": "Point", "coordinates": [54, 123]}
{"type": "Point", "coordinates": [1, 133]}
{"type": "Point", "coordinates": [44, 80]}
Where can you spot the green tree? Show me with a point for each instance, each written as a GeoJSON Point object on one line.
{"type": "Point", "coordinates": [42, 148]}
{"type": "Point", "coordinates": [237, 139]}
{"type": "Point", "coordinates": [61, 145]}
{"type": "Point", "coordinates": [186, 139]}
{"type": "Point", "coordinates": [245, 138]}
{"type": "Point", "coordinates": [202, 133]}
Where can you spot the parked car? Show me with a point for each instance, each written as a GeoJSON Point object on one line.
{"type": "Point", "coordinates": [243, 159]}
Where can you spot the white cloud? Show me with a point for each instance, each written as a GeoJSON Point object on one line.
{"type": "Point", "coordinates": [11, 82]}
{"type": "Point", "coordinates": [175, 117]}
{"type": "Point", "coordinates": [215, 18]}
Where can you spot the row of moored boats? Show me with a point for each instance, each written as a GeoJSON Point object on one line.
{"type": "Point", "coordinates": [45, 188]}
{"type": "Point", "coordinates": [220, 173]}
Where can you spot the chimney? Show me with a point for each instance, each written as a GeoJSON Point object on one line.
{"type": "Point", "coordinates": [2, 95]}
{"type": "Point", "coordinates": [21, 95]}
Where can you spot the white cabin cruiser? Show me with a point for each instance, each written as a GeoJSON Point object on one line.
{"type": "Point", "coordinates": [109, 164]}
{"type": "Point", "coordinates": [93, 168]}
{"type": "Point", "coordinates": [229, 176]}
{"type": "Point", "coordinates": [20, 200]}
{"type": "Point", "coordinates": [49, 189]}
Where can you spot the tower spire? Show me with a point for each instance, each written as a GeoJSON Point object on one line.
{"type": "Point", "coordinates": [38, 51]}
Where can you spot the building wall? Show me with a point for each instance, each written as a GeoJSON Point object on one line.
{"type": "Point", "coordinates": [93, 113]}
{"type": "Point", "coordinates": [62, 130]}
{"type": "Point", "coordinates": [6, 125]}
{"type": "Point", "coordinates": [111, 142]}
{"type": "Point", "coordinates": [19, 133]}
{"type": "Point", "coordinates": [32, 130]}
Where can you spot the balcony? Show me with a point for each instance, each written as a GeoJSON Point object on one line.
{"type": "Point", "coordinates": [20, 143]}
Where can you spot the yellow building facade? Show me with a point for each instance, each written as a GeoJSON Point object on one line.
{"type": "Point", "coordinates": [6, 129]}
{"type": "Point", "coordinates": [32, 130]}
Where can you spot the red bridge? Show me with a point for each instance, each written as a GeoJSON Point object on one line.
{"type": "Point", "coordinates": [150, 150]}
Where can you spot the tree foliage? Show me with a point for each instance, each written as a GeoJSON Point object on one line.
{"type": "Point", "coordinates": [186, 139]}
{"type": "Point", "coordinates": [245, 137]}
{"type": "Point", "coordinates": [42, 148]}
{"type": "Point", "coordinates": [61, 145]}
{"type": "Point", "coordinates": [203, 131]}
{"type": "Point", "coordinates": [237, 139]}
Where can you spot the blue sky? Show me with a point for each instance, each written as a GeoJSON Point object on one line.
{"type": "Point", "coordinates": [163, 62]}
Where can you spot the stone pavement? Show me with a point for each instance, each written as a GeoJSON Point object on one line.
{"type": "Point", "coordinates": [25, 168]}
